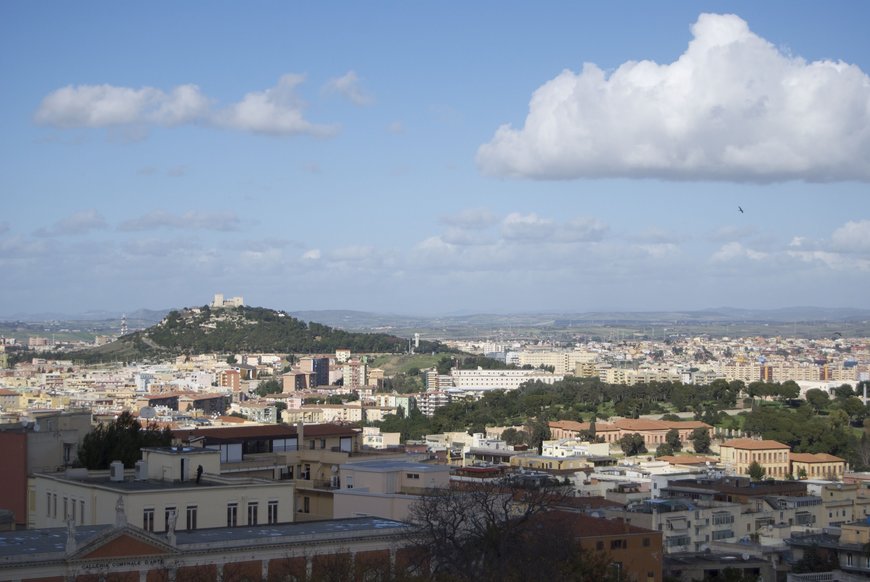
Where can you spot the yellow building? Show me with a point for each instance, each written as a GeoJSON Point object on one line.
{"type": "Point", "coordinates": [738, 454]}
{"type": "Point", "coordinates": [817, 466]}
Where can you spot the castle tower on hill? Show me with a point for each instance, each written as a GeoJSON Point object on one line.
{"type": "Point", "coordinates": [219, 301]}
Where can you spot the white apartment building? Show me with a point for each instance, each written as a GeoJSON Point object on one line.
{"type": "Point", "coordinates": [164, 482]}
{"type": "Point", "coordinates": [483, 380]}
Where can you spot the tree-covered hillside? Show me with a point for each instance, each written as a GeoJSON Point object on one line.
{"type": "Point", "coordinates": [242, 329]}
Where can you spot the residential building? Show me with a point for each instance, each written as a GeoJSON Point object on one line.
{"type": "Point", "coordinates": [817, 466]}
{"type": "Point", "coordinates": [654, 432]}
{"type": "Point", "coordinates": [319, 366]}
{"type": "Point", "coordinates": [738, 454]}
{"type": "Point", "coordinates": [166, 480]}
{"type": "Point", "coordinates": [847, 548]}
{"type": "Point", "coordinates": [385, 488]}
{"type": "Point", "coordinates": [47, 443]}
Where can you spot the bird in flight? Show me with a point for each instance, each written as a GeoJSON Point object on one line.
{"type": "Point", "coordinates": [740, 209]}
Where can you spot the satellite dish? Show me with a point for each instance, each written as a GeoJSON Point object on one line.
{"type": "Point", "coordinates": [745, 556]}
{"type": "Point", "coordinates": [35, 427]}
{"type": "Point", "coordinates": [334, 468]}
{"type": "Point", "coordinates": [147, 412]}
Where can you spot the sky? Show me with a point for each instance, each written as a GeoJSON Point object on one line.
{"type": "Point", "coordinates": [432, 158]}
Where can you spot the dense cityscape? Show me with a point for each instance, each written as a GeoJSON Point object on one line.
{"type": "Point", "coordinates": [423, 292]}
{"type": "Point", "coordinates": [342, 464]}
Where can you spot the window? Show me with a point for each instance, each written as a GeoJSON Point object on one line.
{"type": "Point", "coordinates": [54, 504]}
{"type": "Point", "coordinates": [306, 505]}
{"type": "Point", "coordinates": [73, 510]}
{"type": "Point", "coordinates": [413, 475]}
{"type": "Point", "coordinates": [82, 512]}
{"type": "Point", "coordinates": [191, 517]}
{"type": "Point", "coordinates": [232, 514]}
{"type": "Point", "coordinates": [848, 559]}
{"type": "Point", "coordinates": [168, 516]}
{"type": "Point", "coordinates": [322, 443]}
{"type": "Point", "coordinates": [646, 542]}
{"type": "Point", "coordinates": [311, 444]}
{"type": "Point", "coordinates": [599, 546]}
{"type": "Point", "coordinates": [273, 512]}
{"type": "Point", "coordinates": [48, 505]}
{"type": "Point", "coordinates": [148, 519]}
{"type": "Point", "coordinates": [65, 508]}
{"type": "Point", "coordinates": [252, 513]}
{"type": "Point", "coordinates": [617, 544]}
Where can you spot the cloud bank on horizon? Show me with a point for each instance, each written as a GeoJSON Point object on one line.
{"type": "Point", "coordinates": [732, 107]}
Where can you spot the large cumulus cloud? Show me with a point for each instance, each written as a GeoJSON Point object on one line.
{"type": "Point", "coordinates": [731, 107]}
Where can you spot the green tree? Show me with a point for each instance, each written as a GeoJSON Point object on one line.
{"type": "Point", "coordinates": [271, 386]}
{"type": "Point", "coordinates": [700, 438]}
{"type": "Point", "coordinates": [513, 436]}
{"type": "Point", "coordinates": [756, 471]}
{"type": "Point", "coordinates": [120, 440]}
{"type": "Point", "coordinates": [664, 450]}
{"type": "Point", "coordinates": [672, 437]}
{"type": "Point", "coordinates": [818, 399]}
{"type": "Point", "coordinates": [632, 444]}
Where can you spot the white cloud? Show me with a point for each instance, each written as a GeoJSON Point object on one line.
{"type": "Point", "coordinates": [77, 223]}
{"type": "Point", "coordinates": [396, 127]}
{"type": "Point", "coordinates": [311, 255]}
{"type": "Point", "coordinates": [107, 105]}
{"type": "Point", "coordinates": [854, 236]}
{"type": "Point", "coordinates": [349, 87]}
{"type": "Point", "coordinates": [275, 111]}
{"type": "Point", "coordinates": [159, 219]}
{"type": "Point", "coordinates": [731, 107]}
{"type": "Point", "coordinates": [734, 251]}
{"type": "Point", "coordinates": [660, 250]}
{"type": "Point", "coordinates": [529, 227]}
{"type": "Point", "coordinates": [4, 227]}
{"type": "Point", "coordinates": [518, 226]}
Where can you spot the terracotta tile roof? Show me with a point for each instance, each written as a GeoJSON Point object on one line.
{"type": "Point", "coordinates": [753, 444]}
{"type": "Point", "coordinates": [815, 458]}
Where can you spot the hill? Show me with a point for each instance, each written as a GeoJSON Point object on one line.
{"type": "Point", "coordinates": [237, 330]}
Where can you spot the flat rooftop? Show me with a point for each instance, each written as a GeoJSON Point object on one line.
{"type": "Point", "coordinates": [50, 543]}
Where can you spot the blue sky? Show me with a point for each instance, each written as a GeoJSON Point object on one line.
{"type": "Point", "coordinates": [421, 157]}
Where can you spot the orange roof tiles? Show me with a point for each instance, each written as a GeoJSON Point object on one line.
{"type": "Point", "coordinates": [816, 458]}
{"type": "Point", "coordinates": [754, 444]}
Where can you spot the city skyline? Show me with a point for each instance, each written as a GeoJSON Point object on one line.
{"type": "Point", "coordinates": [412, 159]}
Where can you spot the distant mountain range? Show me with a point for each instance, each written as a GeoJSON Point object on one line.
{"type": "Point", "coordinates": [367, 320]}
{"type": "Point", "coordinates": [805, 321]}
{"type": "Point", "coordinates": [151, 316]}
